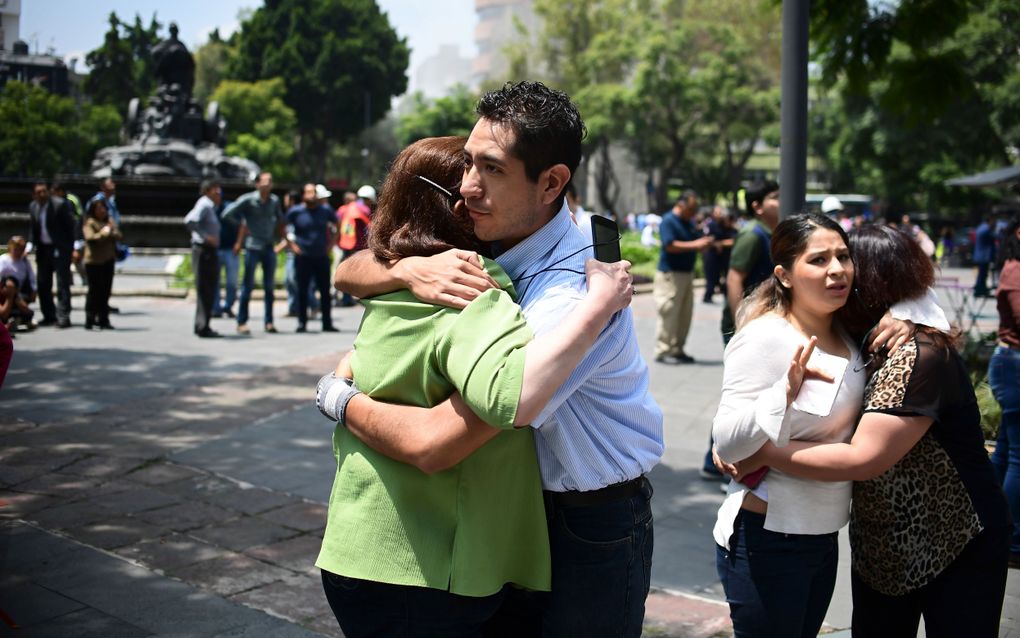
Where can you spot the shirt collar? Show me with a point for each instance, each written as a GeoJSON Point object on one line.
{"type": "Point", "coordinates": [532, 251]}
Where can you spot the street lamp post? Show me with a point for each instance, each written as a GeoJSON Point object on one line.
{"type": "Point", "coordinates": [793, 116]}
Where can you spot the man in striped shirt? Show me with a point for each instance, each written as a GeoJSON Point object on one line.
{"type": "Point", "coordinates": [601, 432]}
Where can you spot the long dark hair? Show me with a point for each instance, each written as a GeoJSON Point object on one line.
{"type": "Point", "coordinates": [890, 267]}
{"type": "Point", "coordinates": [789, 240]}
{"type": "Point", "coordinates": [415, 217]}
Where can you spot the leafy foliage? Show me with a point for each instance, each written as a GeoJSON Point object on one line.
{"type": "Point", "coordinates": [45, 133]}
{"type": "Point", "coordinates": [914, 93]}
{"type": "Point", "coordinates": [211, 62]}
{"type": "Point", "coordinates": [453, 114]}
{"type": "Point", "coordinates": [340, 60]}
{"type": "Point", "coordinates": [261, 126]}
{"type": "Point", "coordinates": [122, 68]}
{"type": "Point", "coordinates": [688, 87]}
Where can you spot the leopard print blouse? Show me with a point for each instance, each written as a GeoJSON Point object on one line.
{"type": "Point", "coordinates": [910, 523]}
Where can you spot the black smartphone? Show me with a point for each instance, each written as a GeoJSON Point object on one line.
{"type": "Point", "coordinates": [605, 235]}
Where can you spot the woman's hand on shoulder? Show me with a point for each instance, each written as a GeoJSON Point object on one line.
{"type": "Point", "coordinates": [453, 278]}
{"type": "Point", "coordinates": [890, 333]}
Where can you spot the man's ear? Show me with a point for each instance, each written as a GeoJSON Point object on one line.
{"type": "Point", "coordinates": [552, 181]}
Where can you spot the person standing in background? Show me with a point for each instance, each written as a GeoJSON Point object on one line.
{"type": "Point", "coordinates": [984, 255]}
{"type": "Point", "coordinates": [228, 255]}
{"type": "Point", "coordinates": [313, 229]}
{"type": "Point", "coordinates": [674, 280]}
{"type": "Point", "coordinates": [51, 235]}
{"type": "Point", "coordinates": [355, 220]}
{"type": "Point", "coordinates": [101, 235]}
{"type": "Point", "coordinates": [204, 224]}
{"type": "Point", "coordinates": [260, 210]}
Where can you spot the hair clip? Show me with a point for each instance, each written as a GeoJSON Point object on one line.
{"type": "Point", "coordinates": [435, 185]}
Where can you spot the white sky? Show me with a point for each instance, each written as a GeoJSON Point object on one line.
{"type": "Point", "coordinates": [71, 28]}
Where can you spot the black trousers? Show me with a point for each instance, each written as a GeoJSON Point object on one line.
{"type": "Point", "coordinates": [309, 268]}
{"type": "Point", "coordinates": [206, 265]}
{"type": "Point", "coordinates": [53, 260]}
{"type": "Point", "coordinates": [97, 300]}
{"type": "Point", "coordinates": [964, 600]}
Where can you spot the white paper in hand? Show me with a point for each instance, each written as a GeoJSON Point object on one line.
{"type": "Point", "coordinates": [817, 396]}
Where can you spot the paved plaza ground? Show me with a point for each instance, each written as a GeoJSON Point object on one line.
{"type": "Point", "coordinates": [156, 484]}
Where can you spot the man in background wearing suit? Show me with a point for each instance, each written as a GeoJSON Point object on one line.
{"type": "Point", "coordinates": [52, 237]}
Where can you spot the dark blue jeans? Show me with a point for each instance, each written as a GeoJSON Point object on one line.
{"type": "Point", "coordinates": [366, 608]}
{"type": "Point", "coordinates": [777, 585]}
{"type": "Point", "coordinates": [601, 567]}
{"type": "Point", "coordinates": [265, 258]}
{"type": "Point", "coordinates": [1004, 377]}
{"type": "Point", "coordinates": [313, 271]}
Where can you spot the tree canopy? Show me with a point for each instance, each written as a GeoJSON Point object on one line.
{"type": "Point", "coordinates": [915, 93]}
{"type": "Point", "coordinates": [341, 63]}
{"type": "Point", "coordinates": [122, 67]}
{"type": "Point", "coordinates": [452, 114]}
{"type": "Point", "coordinates": [45, 133]}
{"type": "Point", "coordinates": [687, 87]}
{"type": "Point", "coordinates": [261, 126]}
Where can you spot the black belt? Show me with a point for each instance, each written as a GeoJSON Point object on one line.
{"type": "Point", "coordinates": [608, 494]}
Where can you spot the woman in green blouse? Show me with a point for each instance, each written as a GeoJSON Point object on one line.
{"type": "Point", "coordinates": [412, 553]}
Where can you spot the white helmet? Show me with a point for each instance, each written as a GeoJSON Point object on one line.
{"type": "Point", "coordinates": [366, 192]}
{"type": "Point", "coordinates": [831, 204]}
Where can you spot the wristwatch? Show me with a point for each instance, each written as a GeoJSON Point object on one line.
{"type": "Point", "coordinates": [332, 395]}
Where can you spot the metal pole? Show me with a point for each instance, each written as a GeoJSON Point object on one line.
{"type": "Point", "coordinates": [793, 118]}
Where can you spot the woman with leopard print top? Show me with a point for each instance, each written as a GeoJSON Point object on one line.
{"type": "Point", "coordinates": [929, 526]}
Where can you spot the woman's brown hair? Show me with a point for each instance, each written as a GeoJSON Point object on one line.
{"type": "Point", "coordinates": [420, 210]}
{"type": "Point", "coordinates": [890, 267]}
{"type": "Point", "coordinates": [789, 241]}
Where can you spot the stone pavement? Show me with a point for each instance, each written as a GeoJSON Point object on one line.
{"type": "Point", "coordinates": [155, 484]}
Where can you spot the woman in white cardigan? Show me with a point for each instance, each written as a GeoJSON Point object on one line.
{"type": "Point", "coordinates": [790, 373]}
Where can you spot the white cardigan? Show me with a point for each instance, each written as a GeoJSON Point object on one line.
{"type": "Point", "coordinates": [753, 409]}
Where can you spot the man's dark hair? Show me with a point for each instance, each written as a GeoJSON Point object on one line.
{"type": "Point", "coordinates": [57, 186]}
{"type": "Point", "coordinates": [206, 185]}
{"type": "Point", "coordinates": [686, 196]}
{"type": "Point", "coordinates": [757, 192]}
{"type": "Point", "coordinates": [261, 173]}
{"type": "Point", "coordinates": [547, 126]}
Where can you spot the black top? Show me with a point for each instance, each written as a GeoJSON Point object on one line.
{"type": "Point", "coordinates": [910, 523]}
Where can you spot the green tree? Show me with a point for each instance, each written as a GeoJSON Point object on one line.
{"type": "Point", "coordinates": [122, 68]}
{"type": "Point", "coordinates": [45, 133]}
{"type": "Point", "coordinates": [341, 62]}
{"type": "Point", "coordinates": [688, 86]}
{"type": "Point", "coordinates": [453, 114]}
{"type": "Point", "coordinates": [212, 60]}
{"type": "Point", "coordinates": [260, 126]}
{"type": "Point", "coordinates": [914, 93]}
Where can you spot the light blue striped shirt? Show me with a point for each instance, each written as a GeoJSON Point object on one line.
{"type": "Point", "coordinates": [602, 426]}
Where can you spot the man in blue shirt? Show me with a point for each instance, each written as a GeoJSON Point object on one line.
{"type": "Point", "coordinates": [673, 288]}
{"type": "Point", "coordinates": [602, 431]}
{"type": "Point", "coordinates": [263, 219]}
{"type": "Point", "coordinates": [984, 255]}
{"type": "Point", "coordinates": [314, 225]}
